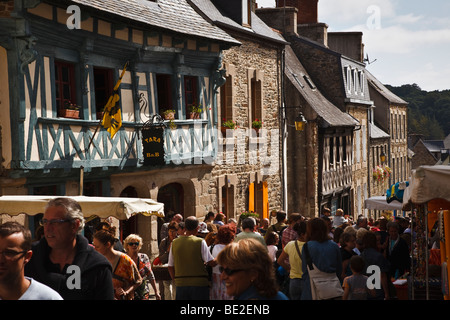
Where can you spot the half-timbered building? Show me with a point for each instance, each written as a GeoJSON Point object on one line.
{"type": "Point", "coordinates": [60, 61]}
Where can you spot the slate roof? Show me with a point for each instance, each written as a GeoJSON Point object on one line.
{"type": "Point", "coordinates": [385, 92]}
{"type": "Point", "coordinates": [331, 115]}
{"type": "Point", "coordinates": [434, 145]}
{"type": "Point", "coordinates": [376, 132]}
{"type": "Point", "coordinates": [258, 27]}
{"type": "Point", "coordinates": [174, 15]}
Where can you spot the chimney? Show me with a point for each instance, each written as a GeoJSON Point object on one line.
{"type": "Point", "coordinates": [348, 43]}
{"type": "Point", "coordinates": [307, 19]}
{"type": "Point", "coordinates": [281, 19]}
{"type": "Point", "coordinates": [307, 9]}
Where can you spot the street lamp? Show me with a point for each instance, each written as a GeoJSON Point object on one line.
{"type": "Point", "coordinates": [300, 122]}
{"type": "Point", "coordinates": [382, 157]}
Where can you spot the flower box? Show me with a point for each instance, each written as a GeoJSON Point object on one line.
{"type": "Point", "coordinates": [69, 113]}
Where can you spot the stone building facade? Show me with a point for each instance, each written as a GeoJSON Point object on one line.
{"type": "Point", "coordinates": [389, 115]}
{"type": "Point", "coordinates": [249, 175]}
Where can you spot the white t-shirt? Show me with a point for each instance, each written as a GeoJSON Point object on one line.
{"type": "Point", "coordinates": [206, 255]}
{"type": "Point", "coordinates": [215, 252]}
{"type": "Point", "coordinates": [39, 291]}
{"type": "Point", "coordinates": [272, 252]}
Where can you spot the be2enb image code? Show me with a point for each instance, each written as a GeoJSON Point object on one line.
{"type": "Point", "coordinates": [246, 309]}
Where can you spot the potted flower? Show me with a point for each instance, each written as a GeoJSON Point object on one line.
{"type": "Point", "coordinates": [229, 124]}
{"type": "Point", "coordinates": [70, 110]}
{"type": "Point", "coordinates": [247, 214]}
{"type": "Point", "coordinates": [194, 112]}
{"type": "Point", "coordinates": [381, 173]}
{"type": "Point", "coordinates": [172, 125]}
{"type": "Point", "coordinates": [257, 124]}
{"type": "Point", "coordinates": [169, 114]}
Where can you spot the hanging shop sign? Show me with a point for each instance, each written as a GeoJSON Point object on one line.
{"type": "Point", "coordinates": [153, 144]}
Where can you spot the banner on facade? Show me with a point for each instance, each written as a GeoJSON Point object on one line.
{"type": "Point", "coordinates": [153, 146]}
{"type": "Point", "coordinates": [112, 115]}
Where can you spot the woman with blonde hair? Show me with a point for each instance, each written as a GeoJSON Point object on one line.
{"type": "Point", "coordinates": [126, 277]}
{"type": "Point", "coordinates": [248, 272]}
{"type": "Point", "coordinates": [132, 245]}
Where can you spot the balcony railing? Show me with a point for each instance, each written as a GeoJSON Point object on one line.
{"type": "Point", "coordinates": [63, 143]}
{"type": "Point", "coordinates": [336, 178]}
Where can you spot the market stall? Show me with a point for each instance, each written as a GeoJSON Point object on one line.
{"type": "Point", "coordinates": [428, 197]}
{"type": "Point", "coordinates": [380, 203]}
{"type": "Point", "coordinates": [103, 207]}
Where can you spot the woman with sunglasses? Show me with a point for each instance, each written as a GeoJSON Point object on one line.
{"type": "Point", "coordinates": [126, 277]}
{"type": "Point", "coordinates": [248, 272]}
{"type": "Point", "coordinates": [132, 245]}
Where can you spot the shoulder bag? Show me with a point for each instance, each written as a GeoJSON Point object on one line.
{"type": "Point", "coordinates": [324, 285]}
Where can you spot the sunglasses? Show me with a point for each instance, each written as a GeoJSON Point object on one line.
{"type": "Point", "coordinates": [133, 243]}
{"type": "Point", "coordinates": [229, 272]}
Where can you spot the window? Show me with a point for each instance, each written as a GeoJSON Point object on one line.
{"type": "Point", "coordinates": [361, 82]}
{"type": "Point", "coordinates": [103, 84]}
{"type": "Point", "coordinates": [348, 82]}
{"type": "Point", "coordinates": [338, 150]}
{"type": "Point", "coordinates": [331, 150]}
{"type": "Point", "coordinates": [309, 82]}
{"type": "Point", "coordinates": [164, 92]}
{"type": "Point", "coordinates": [64, 86]}
{"type": "Point", "coordinates": [246, 12]}
{"type": "Point", "coordinates": [256, 103]}
{"type": "Point", "coordinates": [226, 99]}
{"type": "Point", "coordinates": [344, 149]}
{"type": "Point", "coordinates": [190, 92]}
{"type": "Point", "coordinates": [228, 200]}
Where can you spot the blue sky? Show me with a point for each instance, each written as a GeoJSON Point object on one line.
{"type": "Point", "coordinates": [410, 39]}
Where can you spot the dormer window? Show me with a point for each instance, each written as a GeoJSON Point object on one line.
{"type": "Point", "coordinates": [348, 82]}
{"type": "Point", "coordinates": [361, 82]}
{"type": "Point", "coordinates": [246, 12]}
{"type": "Point", "coordinates": [309, 82]}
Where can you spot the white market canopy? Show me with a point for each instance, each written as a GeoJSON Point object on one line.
{"type": "Point", "coordinates": [428, 183]}
{"type": "Point", "coordinates": [380, 203]}
{"type": "Point", "coordinates": [103, 207]}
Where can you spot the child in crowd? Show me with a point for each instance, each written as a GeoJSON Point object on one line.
{"type": "Point", "coordinates": [272, 242]}
{"type": "Point", "coordinates": [355, 286]}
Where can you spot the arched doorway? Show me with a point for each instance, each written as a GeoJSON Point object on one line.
{"type": "Point", "coordinates": [172, 195]}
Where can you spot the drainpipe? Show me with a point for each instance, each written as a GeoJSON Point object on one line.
{"type": "Point", "coordinates": [284, 134]}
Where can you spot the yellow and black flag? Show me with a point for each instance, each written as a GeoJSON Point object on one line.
{"type": "Point", "coordinates": [112, 116]}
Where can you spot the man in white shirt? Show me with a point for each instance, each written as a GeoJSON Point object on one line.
{"type": "Point", "coordinates": [15, 253]}
{"type": "Point", "coordinates": [248, 231]}
{"type": "Point", "coordinates": [188, 256]}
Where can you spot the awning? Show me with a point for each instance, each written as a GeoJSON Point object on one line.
{"type": "Point", "coordinates": [103, 207]}
{"type": "Point", "coordinates": [428, 183]}
{"type": "Point", "coordinates": [380, 203]}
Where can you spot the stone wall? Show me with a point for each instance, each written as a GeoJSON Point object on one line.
{"type": "Point", "coordinates": [253, 59]}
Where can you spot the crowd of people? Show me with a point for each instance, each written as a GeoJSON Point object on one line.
{"type": "Point", "coordinates": [212, 259]}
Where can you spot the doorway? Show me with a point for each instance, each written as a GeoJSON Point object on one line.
{"type": "Point", "coordinates": [172, 195]}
